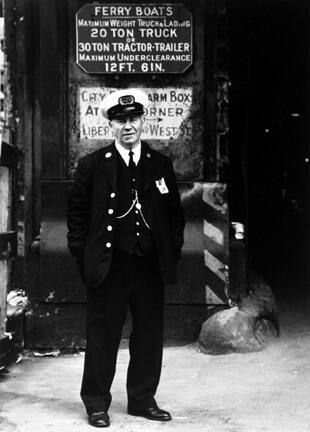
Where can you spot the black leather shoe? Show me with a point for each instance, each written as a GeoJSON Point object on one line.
{"type": "Point", "coordinates": [151, 413]}
{"type": "Point", "coordinates": [99, 419]}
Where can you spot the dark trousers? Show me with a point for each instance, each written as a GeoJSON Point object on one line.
{"type": "Point", "coordinates": [132, 281]}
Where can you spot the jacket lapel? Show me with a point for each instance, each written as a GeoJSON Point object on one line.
{"type": "Point", "coordinates": [146, 154]}
{"type": "Point", "coordinates": [110, 164]}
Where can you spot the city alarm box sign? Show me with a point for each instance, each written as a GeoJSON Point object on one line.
{"type": "Point", "coordinates": [134, 38]}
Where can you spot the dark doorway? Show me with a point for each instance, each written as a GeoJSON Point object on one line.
{"type": "Point", "coordinates": [268, 143]}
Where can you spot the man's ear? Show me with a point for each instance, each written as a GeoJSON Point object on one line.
{"type": "Point", "coordinates": [143, 118]}
{"type": "Point", "coordinates": [112, 129]}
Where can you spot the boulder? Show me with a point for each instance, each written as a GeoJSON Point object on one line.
{"type": "Point", "coordinates": [247, 327]}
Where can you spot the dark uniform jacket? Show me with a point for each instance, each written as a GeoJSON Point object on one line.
{"type": "Point", "coordinates": [92, 207]}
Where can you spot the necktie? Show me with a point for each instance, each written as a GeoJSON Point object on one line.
{"type": "Point", "coordinates": [132, 164]}
{"type": "Point", "coordinates": [132, 168]}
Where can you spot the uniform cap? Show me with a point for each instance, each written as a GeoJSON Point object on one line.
{"type": "Point", "coordinates": [124, 103]}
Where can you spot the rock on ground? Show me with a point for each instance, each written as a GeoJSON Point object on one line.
{"type": "Point", "coordinates": [248, 327]}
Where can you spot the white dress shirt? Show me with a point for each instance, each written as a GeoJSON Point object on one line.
{"type": "Point", "coordinates": [125, 152]}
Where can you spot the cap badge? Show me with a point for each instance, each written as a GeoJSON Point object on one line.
{"type": "Point", "coordinates": [108, 155]}
{"type": "Point", "coordinates": [126, 100]}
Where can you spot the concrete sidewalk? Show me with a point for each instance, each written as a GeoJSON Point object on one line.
{"type": "Point", "coordinates": [266, 391]}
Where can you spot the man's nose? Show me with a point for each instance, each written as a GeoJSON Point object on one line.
{"type": "Point", "coordinates": [128, 124]}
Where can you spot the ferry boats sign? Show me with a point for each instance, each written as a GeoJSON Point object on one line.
{"type": "Point", "coordinates": [134, 38]}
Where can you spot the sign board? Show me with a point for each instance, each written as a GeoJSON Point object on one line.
{"type": "Point", "coordinates": [134, 38]}
{"type": "Point", "coordinates": [167, 115]}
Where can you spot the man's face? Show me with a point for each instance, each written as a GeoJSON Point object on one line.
{"type": "Point", "coordinates": [127, 131]}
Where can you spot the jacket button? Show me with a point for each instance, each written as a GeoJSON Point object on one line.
{"type": "Point", "coordinates": [112, 195]}
{"type": "Point", "coordinates": [110, 211]}
{"type": "Point", "coordinates": [109, 228]}
{"type": "Point", "coordinates": [108, 245]}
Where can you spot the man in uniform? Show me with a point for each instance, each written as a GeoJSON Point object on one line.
{"type": "Point", "coordinates": [125, 229]}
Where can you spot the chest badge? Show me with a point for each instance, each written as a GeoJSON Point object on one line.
{"type": "Point", "coordinates": [161, 185]}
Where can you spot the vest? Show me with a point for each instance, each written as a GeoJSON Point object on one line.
{"type": "Point", "coordinates": [132, 232]}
